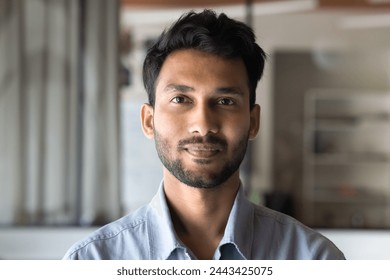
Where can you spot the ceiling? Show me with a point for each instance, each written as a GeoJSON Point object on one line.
{"type": "Point", "coordinates": [323, 4]}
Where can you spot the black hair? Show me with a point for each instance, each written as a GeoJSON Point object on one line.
{"type": "Point", "coordinates": [211, 33]}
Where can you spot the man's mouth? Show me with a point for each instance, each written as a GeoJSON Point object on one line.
{"type": "Point", "coordinates": [202, 150]}
{"type": "Point", "coordinates": [203, 147]}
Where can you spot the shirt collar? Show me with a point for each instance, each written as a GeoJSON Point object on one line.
{"type": "Point", "coordinates": [162, 237]}
{"type": "Point", "coordinates": [237, 239]}
{"type": "Point", "coordinates": [239, 228]}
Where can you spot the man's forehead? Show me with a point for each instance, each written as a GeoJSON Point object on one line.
{"type": "Point", "coordinates": [182, 88]}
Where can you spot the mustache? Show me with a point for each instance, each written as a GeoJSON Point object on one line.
{"type": "Point", "coordinates": [208, 139]}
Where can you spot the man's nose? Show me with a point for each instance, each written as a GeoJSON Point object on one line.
{"type": "Point", "coordinates": [203, 120]}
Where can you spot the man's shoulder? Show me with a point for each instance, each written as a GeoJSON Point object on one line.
{"type": "Point", "coordinates": [267, 214]}
{"type": "Point", "coordinates": [106, 241]}
{"type": "Point", "coordinates": [296, 239]}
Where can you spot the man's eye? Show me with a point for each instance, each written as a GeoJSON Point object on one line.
{"type": "Point", "coordinates": [179, 99]}
{"type": "Point", "coordinates": [225, 101]}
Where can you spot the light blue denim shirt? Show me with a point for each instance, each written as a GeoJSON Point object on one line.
{"type": "Point", "coordinates": [252, 232]}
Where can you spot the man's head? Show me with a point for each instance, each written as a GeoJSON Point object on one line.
{"type": "Point", "coordinates": [201, 78]}
{"type": "Point", "coordinates": [209, 33]}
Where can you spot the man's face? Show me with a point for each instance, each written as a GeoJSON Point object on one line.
{"type": "Point", "coordinates": [201, 120]}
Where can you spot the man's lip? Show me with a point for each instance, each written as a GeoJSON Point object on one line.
{"type": "Point", "coordinates": [203, 151]}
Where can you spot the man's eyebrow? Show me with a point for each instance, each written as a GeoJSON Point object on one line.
{"type": "Point", "coordinates": [220, 90]}
{"type": "Point", "coordinates": [229, 90]}
{"type": "Point", "coordinates": [178, 87]}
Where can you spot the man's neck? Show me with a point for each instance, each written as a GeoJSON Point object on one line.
{"type": "Point", "coordinates": [199, 215]}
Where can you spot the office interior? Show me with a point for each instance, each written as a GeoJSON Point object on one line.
{"type": "Point", "coordinates": [73, 156]}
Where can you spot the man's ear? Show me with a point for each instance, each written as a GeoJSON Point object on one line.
{"type": "Point", "coordinates": [255, 121]}
{"type": "Point", "coordinates": [147, 112]}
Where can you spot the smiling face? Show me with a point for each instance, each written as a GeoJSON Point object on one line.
{"type": "Point", "coordinates": [201, 120]}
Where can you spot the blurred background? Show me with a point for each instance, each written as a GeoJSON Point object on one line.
{"type": "Point", "coordinates": [73, 156]}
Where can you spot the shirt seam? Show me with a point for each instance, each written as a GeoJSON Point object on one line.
{"type": "Point", "coordinates": [276, 216]}
{"type": "Point", "coordinates": [106, 236]}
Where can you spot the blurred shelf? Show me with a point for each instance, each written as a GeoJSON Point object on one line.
{"type": "Point", "coordinates": [346, 159]}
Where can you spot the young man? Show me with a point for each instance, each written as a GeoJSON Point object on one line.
{"type": "Point", "coordinates": [201, 77]}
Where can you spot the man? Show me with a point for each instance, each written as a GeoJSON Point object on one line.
{"type": "Point", "coordinates": [201, 77]}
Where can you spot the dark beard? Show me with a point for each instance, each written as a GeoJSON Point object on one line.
{"type": "Point", "coordinates": [208, 181]}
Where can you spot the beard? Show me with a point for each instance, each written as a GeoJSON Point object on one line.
{"type": "Point", "coordinates": [205, 179]}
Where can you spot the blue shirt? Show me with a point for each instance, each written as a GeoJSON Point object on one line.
{"type": "Point", "coordinates": [252, 232]}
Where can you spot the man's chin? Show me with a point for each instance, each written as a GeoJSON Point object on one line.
{"type": "Point", "coordinates": [201, 180]}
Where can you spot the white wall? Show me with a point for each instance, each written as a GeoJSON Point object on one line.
{"type": "Point", "coordinates": [361, 244]}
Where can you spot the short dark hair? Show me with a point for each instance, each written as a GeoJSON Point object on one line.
{"type": "Point", "coordinates": [211, 33]}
